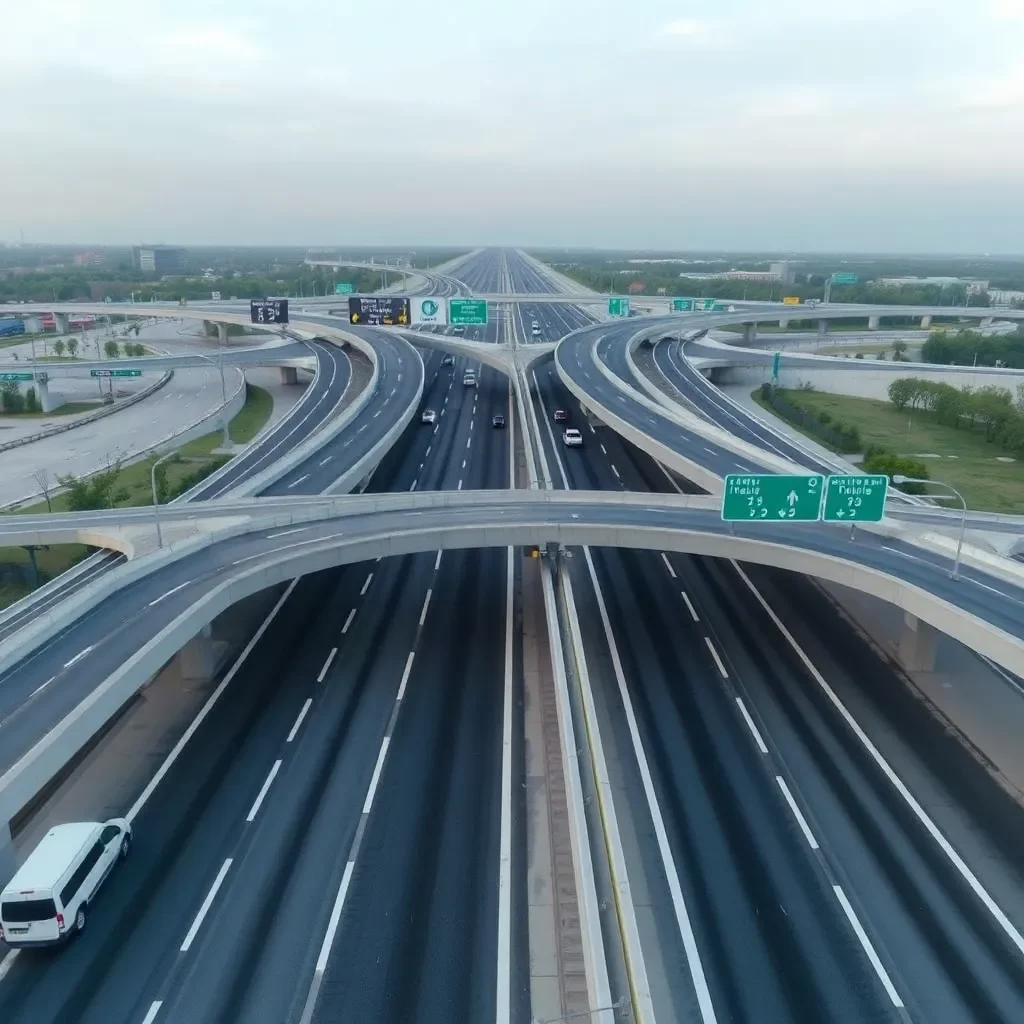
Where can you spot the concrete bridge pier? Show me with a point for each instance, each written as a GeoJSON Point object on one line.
{"type": "Point", "coordinates": [209, 329]}
{"type": "Point", "coordinates": [749, 333]}
{"type": "Point", "coordinates": [289, 375]}
{"type": "Point", "coordinates": [45, 398]}
{"type": "Point", "coordinates": [822, 328]}
{"type": "Point", "coordinates": [926, 322]}
{"type": "Point", "coordinates": [915, 648]}
{"type": "Point", "coordinates": [873, 323]}
{"type": "Point", "coordinates": [986, 321]}
{"type": "Point", "coordinates": [783, 325]}
{"type": "Point", "coordinates": [198, 658]}
{"type": "Point", "coordinates": [222, 334]}
{"type": "Point", "coordinates": [60, 321]}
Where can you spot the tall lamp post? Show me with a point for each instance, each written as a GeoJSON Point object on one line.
{"type": "Point", "coordinates": [156, 501]}
{"type": "Point", "coordinates": [899, 478]}
{"type": "Point", "coordinates": [219, 363]}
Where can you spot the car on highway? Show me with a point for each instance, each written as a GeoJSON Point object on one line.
{"type": "Point", "coordinates": [536, 331]}
{"type": "Point", "coordinates": [47, 901]}
{"type": "Point", "coordinates": [498, 420]}
{"type": "Point", "coordinates": [458, 329]}
{"type": "Point", "coordinates": [561, 416]}
{"type": "Point", "coordinates": [428, 416]}
{"type": "Point", "coordinates": [572, 438]}
{"type": "Point", "coordinates": [448, 361]}
{"type": "Point", "coordinates": [469, 379]}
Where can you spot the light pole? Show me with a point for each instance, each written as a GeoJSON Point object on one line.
{"type": "Point", "coordinates": [899, 478]}
{"type": "Point", "coordinates": [156, 500]}
{"type": "Point", "coordinates": [219, 363]}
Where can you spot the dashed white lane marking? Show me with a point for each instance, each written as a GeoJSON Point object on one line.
{"type": "Point", "coordinates": [689, 606]}
{"type": "Point", "coordinates": [426, 605]}
{"type": "Point", "coordinates": [718, 660]}
{"type": "Point", "coordinates": [668, 565]}
{"type": "Point", "coordinates": [298, 721]}
{"type": "Point", "coordinates": [205, 908]}
{"type": "Point", "coordinates": [264, 789]}
{"type": "Point", "coordinates": [366, 585]}
{"type": "Point", "coordinates": [405, 675]}
{"type": "Point", "coordinates": [327, 664]}
{"type": "Point", "coordinates": [348, 621]}
{"type": "Point", "coordinates": [377, 768]}
{"type": "Point", "coordinates": [751, 726]}
{"type": "Point", "coordinates": [800, 820]}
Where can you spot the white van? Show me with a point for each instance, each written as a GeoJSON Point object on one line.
{"type": "Point", "coordinates": [46, 901]}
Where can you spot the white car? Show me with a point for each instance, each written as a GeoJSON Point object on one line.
{"type": "Point", "coordinates": [536, 332]}
{"type": "Point", "coordinates": [572, 438]}
{"type": "Point", "coordinates": [46, 902]}
{"type": "Point", "coordinates": [469, 380]}
{"type": "Point", "coordinates": [428, 416]}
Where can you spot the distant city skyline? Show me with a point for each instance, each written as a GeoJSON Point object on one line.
{"type": "Point", "coordinates": [718, 124]}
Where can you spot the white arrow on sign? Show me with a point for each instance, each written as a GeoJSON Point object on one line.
{"type": "Point", "coordinates": [792, 498]}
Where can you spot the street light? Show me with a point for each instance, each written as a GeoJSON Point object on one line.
{"type": "Point", "coordinates": [219, 363]}
{"type": "Point", "coordinates": [899, 478]}
{"type": "Point", "coordinates": [156, 502]}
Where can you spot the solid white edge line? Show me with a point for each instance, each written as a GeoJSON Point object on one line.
{"type": "Point", "coordinates": [348, 621]}
{"type": "Point", "coordinates": [930, 827]}
{"type": "Point", "coordinates": [8, 962]}
{"type": "Point", "coordinates": [715, 655]}
{"type": "Point", "coordinates": [213, 698]}
{"type": "Point", "coordinates": [869, 949]}
{"type": "Point", "coordinates": [689, 606]}
{"type": "Point", "coordinates": [426, 605]}
{"type": "Point", "coordinates": [668, 565]}
{"type": "Point", "coordinates": [366, 585]}
{"type": "Point", "coordinates": [685, 926]}
{"type": "Point", "coordinates": [264, 789]}
{"type": "Point", "coordinates": [154, 1008]}
{"type": "Point", "coordinates": [190, 937]}
{"type": "Point", "coordinates": [377, 769]}
{"type": "Point", "coordinates": [503, 1008]}
{"type": "Point", "coordinates": [181, 586]}
{"type": "Point", "coordinates": [332, 924]}
{"type": "Point", "coordinates": [751, 726]}
{"type": "Point", "coordinates": [405, 675]}
{"type": "Point", "coordinates": [298, 721]}
{"type": "Point", "coordinates": [327, 664]}
{"type": "Point", "coordinates": [797, 813]}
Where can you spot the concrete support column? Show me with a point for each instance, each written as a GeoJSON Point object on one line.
{"type": "Point", "coordinates": [289, 375]}
{"type": "Point", "coordinates": [749, 334]}
{"type": "Point", "coordinates": [873, 323]}
{"type": "Point", "coordinates": [986, 321]}
{"type": "Point", "coordinates": [209, 329]}
{"type": "Point", "coordinates": [783, 325]}
{"type": "Point", "coordinates": [926, 322]}
{"type": "Point", "coordinates": [61, 322]}
{"type": "Point", "coordinates": [822, 328]}
{"type": "Point", "coordinates": [45, 400]}
{"type": "Point", "coordinates": [222, 334]}
{"type": "Point", "coordinates": [915, 648]}
{"type": "Point", "coordinates": [198, 657]}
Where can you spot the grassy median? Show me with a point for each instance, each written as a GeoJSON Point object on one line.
{"type": "Point", "coordinates": [962, 458]}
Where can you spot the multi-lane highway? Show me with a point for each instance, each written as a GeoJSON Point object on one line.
{"type": "Point", "coordinates": [329, 844]}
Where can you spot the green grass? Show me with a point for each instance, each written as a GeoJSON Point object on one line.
{"type": "Point", "coordinates": [51, 561]}
{"type": "Point", "coordinates": [811, 326]}
{"type": "Point", "coordinates": [135, 479]}
{"type": "Point", "coordinates": [968, 461]}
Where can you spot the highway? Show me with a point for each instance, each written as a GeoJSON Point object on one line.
{"type": "Point", "coordinates": [357, 644]}
{"type": "Point", "coordinates": [745, 746]}
{"type": "Point", "coordinates": [323, 851]}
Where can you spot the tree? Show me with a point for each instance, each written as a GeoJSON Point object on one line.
{"type": "Point", "coordinates": [901, 391]}
{"type": "Point", "coordinates": [85, 494]}
{"type": "Point", "coordinates": [899, 348]}
{"type": "Point", "coordinates": [112, 349]}
{"type": "Point", "coordinates": [72, 347]}
{"type": "Point", "coordinates": [42, 477]}
{"type": "Point", "coordinates": [59, 346]}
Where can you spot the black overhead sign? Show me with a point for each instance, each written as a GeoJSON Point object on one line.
{"type": "Point", "coordinates": [379, 311]}
{"type": "Point", "coordinates": [268, 311]}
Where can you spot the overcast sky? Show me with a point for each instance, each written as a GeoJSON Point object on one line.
{"type": "Point", "coordinates": [863, 124]}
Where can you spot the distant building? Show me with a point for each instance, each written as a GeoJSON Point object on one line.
{"type": "Point", "coordinates": [749, 275]}
{"type": "Point", "coordinates": [636, 287]}
{"type": "Point", "coordinates": [783, 272]}
{"type": "Point", "coordinates": [89, 259]}
{"type": "Point", "coordinates": [159, 259]}
{"type": "Point", "coordinates": [973, 287]}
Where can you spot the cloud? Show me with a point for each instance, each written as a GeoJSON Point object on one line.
{"type": "Point", "coordinates": [1006, 10]}
{"type": "Point", "coordinates": [692, 32]}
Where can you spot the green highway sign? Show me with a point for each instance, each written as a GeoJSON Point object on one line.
{"type": "Point", "coordinates": [471, 312]}
{"type": "Point", "coordinates": [857, 498]}
{"type": "Point", "coordinates": [15, 376]}
{"type": "Point", "coordinates": [115, 373]}
{"type": "Point", "coordinates": [842, 277]}
{"type": "Point", "coordinates": [618, 307]}
{"type": "Point", "coordinates": [343, 288]}
{"type": "Point", "coordinates": [719, 307]}
{"type": "Point", "coordinates": [703, 305]}
{"type": "Point", "coordinates": [682, 305]}
{"type": "Point", "coordinates": [772, 497]}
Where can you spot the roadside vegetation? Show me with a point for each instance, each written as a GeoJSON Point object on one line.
{"type": "Point", "coordinates": [120, 486]}
{"type": "Point", "coordinates": [972, 439]}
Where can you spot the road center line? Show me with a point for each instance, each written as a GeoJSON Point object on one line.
{"type": "Point", "coordinates": [298, 721]}
{"type": "Point", "coordinates": [366, 585]}
{"type": "Point", "coordinates": [718, 660]}
{"type": "Point", "coordinates": [751, 726]}
{"type": "Point", "coordinates": [668, 565]}
{"type": "Point", "coordinates": [327, 664]}
{"type": "Point", "coordinates": [205, 908]}
{"type": "Point", "coordinates": [264, 789]}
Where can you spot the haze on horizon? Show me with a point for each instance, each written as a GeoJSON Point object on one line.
{"type": "Point", "coordinates": [879, 125]}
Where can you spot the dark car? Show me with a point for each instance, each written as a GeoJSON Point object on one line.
{"type": "Point", "coordinates": [448, 361]}
{"type": "Point", "coordinates": [497, 420]}
{"type": "Point", "coordinates": [561, 416]}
